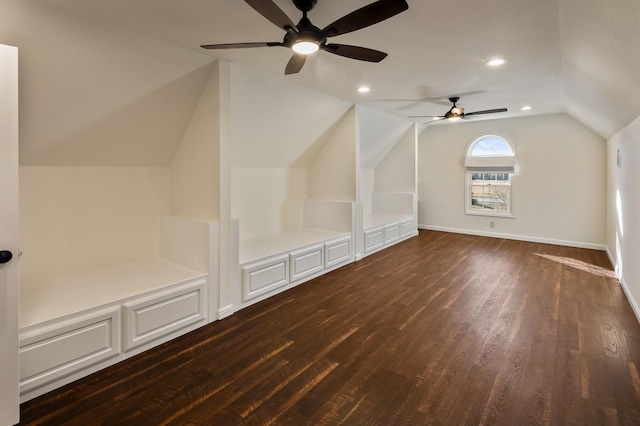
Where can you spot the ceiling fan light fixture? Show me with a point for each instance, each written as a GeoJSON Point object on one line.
{"type": "Point", "coordinates": [457, 113]}
{"type": "Point", "coordinates": [496, 62]}
{"type": "Point", "coordinates": [305, 47]}
{"type": "Point", "coordinates": [305, 38]}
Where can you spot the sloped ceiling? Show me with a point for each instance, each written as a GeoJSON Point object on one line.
{"type": "Point", "coordinates": [378, 134]}
{"type": "Point", "coordinates": [275, 124]}
{"type": "Point", "coordinates": [95, 95]}
{"type": "Point", "coordinates": [113, 82]}
{"type": "Point", "coordinates": [601, 62]}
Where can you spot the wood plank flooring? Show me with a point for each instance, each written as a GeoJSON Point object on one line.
{"type": "Point", "coordinates": [441, 329]}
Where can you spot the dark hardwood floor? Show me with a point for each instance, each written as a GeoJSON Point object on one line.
{"type": "Point", "coordinates": [441, 329]}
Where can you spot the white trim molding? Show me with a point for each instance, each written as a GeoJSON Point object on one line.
{"type": "Point", "coordinates": [623, 284]}
{"type": "Point", "coordinates": [528, 238]}
{"type": "Point", "coordinates": [632, 302]}
{"type": "Point", "coordinates": [225, 311]}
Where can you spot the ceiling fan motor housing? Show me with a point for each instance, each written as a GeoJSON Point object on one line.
{"type": "Point", "coordinates": [455, 111]}
{"type": "Point", "coordinates": [305, 5]}
{"type": "Point", "coordinates": [306, 32]}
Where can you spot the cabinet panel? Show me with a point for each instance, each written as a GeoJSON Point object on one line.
{"type": "Point", "coordinates": [262, 277]}
{"type": "Point", "coordinates": [337, 251]}
{"type": "Point", "coordinates": [406, 228]}
{"type": "Point", "coordinates": [306, 262]}
{"type": "Point", "coordinates": [391, 233]}
{"type": "Point", "coordinates": [373, 238]}
{"type": "Point", "coordinates": [155, 316]}
{"type": "Point", "coordinates": [62, 348]}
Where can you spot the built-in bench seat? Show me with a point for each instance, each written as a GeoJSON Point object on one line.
{"type": "Point", "coordinates": [392, 220]}
{"type": "Point", "coordinates": [256, 248]}
{"type": "Point", "coordinates": [272, 263]}
{"type": "Point", "coordinates": [61, 297]}
{"type": "Point", "coordinates": [384, 229]}
{"type": "Point", "coordinates": [373, 220]}
{"type": "Point", "coordinates": [73, 326]}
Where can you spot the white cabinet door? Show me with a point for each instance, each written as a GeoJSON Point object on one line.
{"type": "Point", "coordinates": [264, 276]}
{"type": "Point", "coordinates": [9, 237]}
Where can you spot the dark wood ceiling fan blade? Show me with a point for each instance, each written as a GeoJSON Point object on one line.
{"type": "Point", "coordinates": [273, 13]}
{"type": "Point", "coordinates": [440, 117]}
{"type": "Point", "coordinates": [365, 16]}
{"type": "Point", "coordinates": [355, 52]}
{"type": "Point", "coordinates": [487, 111]}
{"type": "Point", "coordinates": [438, 100]}
{"type": "Point", "coordinates": [240, 45]}
{"type": "Point", "coordinates": [295, 64]}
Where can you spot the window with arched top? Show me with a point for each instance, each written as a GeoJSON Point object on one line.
{"type": "Point", "coordinates": [490, 171]}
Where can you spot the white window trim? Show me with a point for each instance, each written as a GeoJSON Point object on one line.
{"type": "Point", "coordinates": [489, 164]}
{"type": "Point", "coordinates": [467, 196]}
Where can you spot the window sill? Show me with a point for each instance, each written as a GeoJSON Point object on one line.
{"type": "Point", "coordinates": [490, 214]}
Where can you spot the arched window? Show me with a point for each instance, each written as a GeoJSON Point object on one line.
{"type": "Point", "coordinates": [490, 171]}
{"type": "Point", "coordinates": [490, 146]}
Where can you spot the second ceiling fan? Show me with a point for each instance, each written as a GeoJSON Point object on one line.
{"type": "Point", "coordinates": [457, 113]}
{"type": "Point", "coordinates": [305, 38]}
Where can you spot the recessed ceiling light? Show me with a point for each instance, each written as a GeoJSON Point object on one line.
{"type": "Point", "coordinates": [496, 62]}
{"type": "Point", "coordinates": [363, 89]}
{"type": "Point", "coordinates": [525, 108]}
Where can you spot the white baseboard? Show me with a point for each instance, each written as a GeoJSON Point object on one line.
{"type": "Point", "coordinates": [613, 262]}
{"type": "Point", "coordinates": [623, 284]}
{"type": "Point", "coordinates": [516, 237]}
{"type": "Point", "coordinates": [225, 312]}
{"type": "Point", "coordinates": [632, 302]}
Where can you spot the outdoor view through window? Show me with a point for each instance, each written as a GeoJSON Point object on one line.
{"type": "Point", "coordinates": [489, 180]}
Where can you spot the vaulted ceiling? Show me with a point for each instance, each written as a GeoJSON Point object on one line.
{"type": "Point", "coordinates": [90, 67]}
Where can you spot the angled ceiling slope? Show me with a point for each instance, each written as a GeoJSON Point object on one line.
{"type": "Point", "coordinates": [94, 95]}
{"type": "Point", "coordinates": [89, 69]}
{"type": "Point", "coordinates": [601, 60]}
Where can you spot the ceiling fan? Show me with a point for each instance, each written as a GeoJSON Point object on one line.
{"type": "Point", "coordinates": [305, 38]}
{"type": "Point", "coordinates": [456, 113]}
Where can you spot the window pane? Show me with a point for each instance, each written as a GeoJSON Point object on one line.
{"type": "Point", "coordinates": [489, 186]}
{"type": "Point", "coordinates": [490, 146]}
{"type": "Point", "coordinates": [491, 192]}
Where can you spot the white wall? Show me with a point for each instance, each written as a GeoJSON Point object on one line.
{"type": "Point", "coordinates": [397, 172]}
{"type": "Point", "coordinates": [267, 201]}
{"type": "Point", "coordinates": [332, 173]}
{"type": "Point", "coordinates": [366, 185]}
{"type": "Point", "coordinates": [281, 135]}
{"type": "Point", "coordinates": [277, 124]}
{"type": "Point", "coordinates": [560, 184]}
{"type": "Point", "coordinates": [387, 151]}
{"type": "Point", "coordinates": [623, 209]}
{"type": "Point", "coordinates": [77, 219]}
{"type": "Point", "coordinates": [195, 166]}
{"type": "Point", "coordinates": [379, 133]}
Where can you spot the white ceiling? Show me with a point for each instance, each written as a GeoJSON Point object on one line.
{"type": "Point", "coordinates": [574, 56]}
